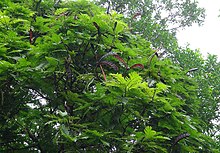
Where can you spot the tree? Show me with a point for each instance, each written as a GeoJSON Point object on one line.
{"type": "Point", "coordinates": [74, 79]}
{"type": "Point", "coordinates": [158, 20]}
{"type": "Point", "coordinates": [205, 72]}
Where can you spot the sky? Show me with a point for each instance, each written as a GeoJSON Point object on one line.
{"type": "Point", "coordinates": [207, 37]}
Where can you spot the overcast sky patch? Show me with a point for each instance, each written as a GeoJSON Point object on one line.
{"type": "Point", "coordinates": [206, 38]}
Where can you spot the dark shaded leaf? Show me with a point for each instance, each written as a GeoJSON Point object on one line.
{"type": "Point", "coordinates": [116, 56]}
{"type": "Point", "coordinates": [97, 27]}
{"type": "Point", "coordinates": [31, 36]}
{"type": "Point", "coordinates": [180, 137]}
{"type": "Point", "coordinates": [107, 54]}
{"type": "Point", "coordinates": [193, 69]}
{"type": "Point", "coordinates": [137, 66]}
{"type": "Point", "coordinates": [112, 65]}
{"type": "Point", "coordinates": [136, 15]}
{"type": "Point", "coordinates": [121, 60]}
{"type": "Point", "coordinates": [152, 56]}
{"type": "Point", "coordinates": [115, 25]}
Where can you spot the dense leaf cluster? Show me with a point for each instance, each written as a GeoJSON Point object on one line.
{"type": "Point", "coordinates": [158, 20]}
{"type": "Point", "coordinates": [74, 79]}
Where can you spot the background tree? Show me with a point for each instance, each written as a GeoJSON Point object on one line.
{"type": "Point", "coordinates": [205, 72]}
{"type": "Point", "coordinates": [158, 20]}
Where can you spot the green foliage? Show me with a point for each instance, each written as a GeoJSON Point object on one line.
{"type": "Point", "coordinates": [53, 97]}
{"type": "Point", "coordinates": [206, 76]}
{"type": "Point", "coordinates": [157, 20]}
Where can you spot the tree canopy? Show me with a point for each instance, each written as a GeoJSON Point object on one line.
{"type": "Point", "coordinates": [158, 20]}
{"type": "Point", "coordinates": [76, 78]}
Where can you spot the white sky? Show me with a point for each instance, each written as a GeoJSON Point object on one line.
{"type": "Point", "coordinates": [207, 37]}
